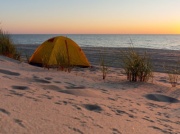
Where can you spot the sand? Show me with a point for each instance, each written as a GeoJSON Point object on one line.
{"type": "Point", "coordinates": [36, 100]}
{"type": "Point", "coordinates": [113, 56]}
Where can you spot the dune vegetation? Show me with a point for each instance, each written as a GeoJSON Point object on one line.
{"type": "Point", "coordinates": [173, 73]}
{"type": "Point", "coordinates": [7, 48]}
{"type": "Point", "coordinates": [137, 67]}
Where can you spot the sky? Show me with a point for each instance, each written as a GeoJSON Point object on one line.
{"type": "Point", "coordinates": [90, 16]}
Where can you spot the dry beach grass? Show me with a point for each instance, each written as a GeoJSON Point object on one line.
{"type": "Point", "coordinates": [37, 100]}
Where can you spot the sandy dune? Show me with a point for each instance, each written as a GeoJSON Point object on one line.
{"type": "Point", "coordinates": [36, 100]}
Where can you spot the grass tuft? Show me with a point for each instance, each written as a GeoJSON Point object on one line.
{"type": "Point", "coordinates": [173, 73]}
{"type": "Point", "coordinates": [137, 67]}
{"type": "Point", "coordinates": [7, 48]}
{"type": "Point", "coordinates": [45, 61]}
{"type": "Point", "coordinates": [63, 62]}
{"type": "Point", "coordinates": [103, 66]}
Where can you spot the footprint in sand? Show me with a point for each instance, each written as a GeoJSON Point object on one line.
{"type": "Point", "coordinates": [4, 111]}
{"type": "Point", "coordinates": [161, 98]}
{"type": "Point", "coordinates": [16, 93]}
{"type": "Point", "coordinates": [147, 119]}
{"type": "Point", "coordinates": [162, 130]}
{"type": "Point", "coordinates": [52, 87]}
{"type": "Point", "coordinates": [32, 98]}
{"type": "Point", "coordinates": [93, 107]}
{"type": "Point", "coordinates": [48, 78]}
{"type": "Point", "coordinates": [121, 112]}
{"type": "Point", "coordinates": [81, 92]}
{"type": "Point", "coordinates": [46, 96]}
{"type": "Point", "coordinates": [76, 130]}
{"type": "Point", "coordinates": [75, 87]}
{"type": "Point", "coordinates": [20, 87]}
{"type": "Point", "coordinates": [41, 80]}
{"type": "Point", "coordinates": [19, 122]}
{"type": "Point", "coordinates": [116, 131]}
{"type": "Point", "coordinates": [56, 81]}
{"type": "Point", "coordinates": [9, 72]}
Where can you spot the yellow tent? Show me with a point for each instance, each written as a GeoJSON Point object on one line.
{"type": "Point", "coordinates": [57, 49]}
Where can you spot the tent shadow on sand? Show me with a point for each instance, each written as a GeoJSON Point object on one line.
{"type": "Point", "coordinates": [161, 98]}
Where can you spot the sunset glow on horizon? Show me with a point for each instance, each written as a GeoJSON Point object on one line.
{"type": "Point", "coordinates": [90, 16]}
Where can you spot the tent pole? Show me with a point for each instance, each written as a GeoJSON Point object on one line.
{"type": "Point", "coordinates": [67, 51]}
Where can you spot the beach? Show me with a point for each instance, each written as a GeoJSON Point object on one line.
{"type": "Point", "coordinates": [38, 100]}
{"type": "Point", "coordinates": [113, 55]}
{"type": "Point", "coordinates": [90, 67]}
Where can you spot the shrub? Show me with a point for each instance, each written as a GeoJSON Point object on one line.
{"type": "Point", "coordinates": [45, 61]}
{"type": "Point", "coordinates": [137, 67]}
{"type": "Point", "coordinates": [103, 66]}
{"type": "Point", "coordinates": [27, 57]}
{"type": "Point", "coordinates": [63, 62]}
{"type": "Point", "coordinates": [173, 73]}
{"type": "Point", "coordinates": [7, 48]}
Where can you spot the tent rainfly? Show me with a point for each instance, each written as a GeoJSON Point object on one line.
{"type": "Point", "coordinates": [57, 48]}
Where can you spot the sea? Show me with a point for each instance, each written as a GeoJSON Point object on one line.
{"type": "Point", "coordinates": [169, 42]}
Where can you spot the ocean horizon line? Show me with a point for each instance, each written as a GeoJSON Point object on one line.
{"type": "Point", "coordinates": [80, 34]}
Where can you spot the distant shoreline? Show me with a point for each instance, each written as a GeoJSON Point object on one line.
{"type": "Point", "coordinates": [89, 34]}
